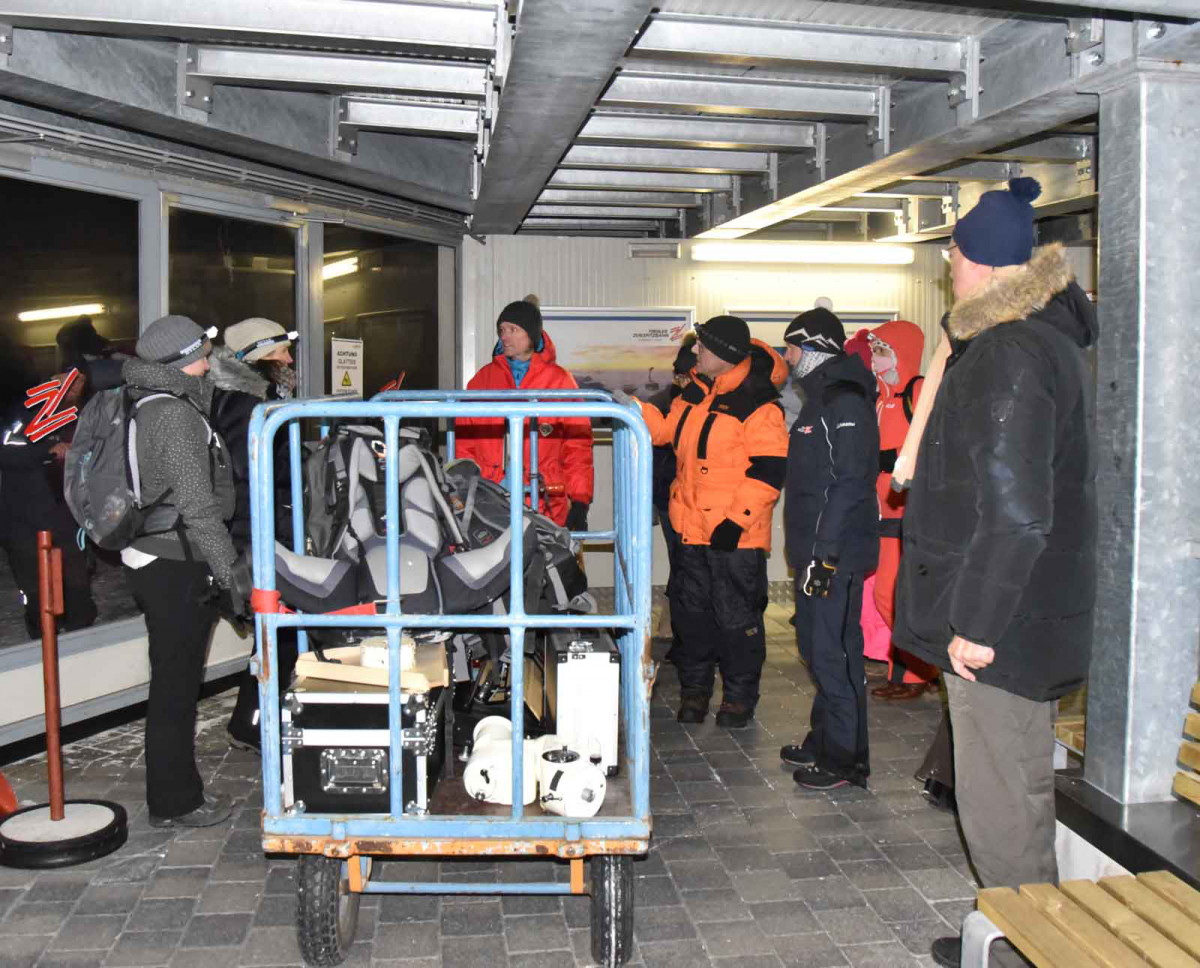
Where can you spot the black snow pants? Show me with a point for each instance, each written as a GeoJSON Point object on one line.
{"type": "Point", "coordinates": [717, 604]}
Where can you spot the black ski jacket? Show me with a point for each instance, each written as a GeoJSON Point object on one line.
{"type": "Point", "coordinates": [1000, 528]}
{"type": "Point", "coordinates": [832, 512]}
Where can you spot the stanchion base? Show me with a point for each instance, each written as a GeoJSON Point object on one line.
{"type": "Point", "coordinates": [89, 829]}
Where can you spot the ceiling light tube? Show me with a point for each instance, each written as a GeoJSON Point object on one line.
{"type": "Point", "coordinates": [343, 267]}
{"type": "Point", "coordinates": [822, 253]}
{"type": "Point", "coordinates": [61, 312]}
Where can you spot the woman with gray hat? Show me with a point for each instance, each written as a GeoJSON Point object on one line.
{"type": "Point", "coordinates": [184, 548]}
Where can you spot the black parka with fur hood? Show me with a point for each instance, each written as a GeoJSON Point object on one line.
{"type": "Point", "coordinates": [1000, 530]}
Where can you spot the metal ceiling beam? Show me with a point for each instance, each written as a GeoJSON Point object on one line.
{"type": "Point", "coordinates": [600, 211]}
{"type": "Point", "coordinates": [563, 54]}
{"type": "Point", "coordinates": [561, 196]}
{"type": "Point", "coordinates": [1157, 8]}
{"type": "Point", "coordinates": [301, 70]}
{"type": "Point", "coordinates": [625, 158]}
{"type": "Point", "coordinates": [410, 117]}
{"type": "Point", "coordinates": [723, 94]}
{"type": "Point", "coordinates": [675, 131]}
{"type": "Point", "coordinates": [445, 29]}
{"type": "Point", "coordinates": [133, 85]}
{"type": "Point", "coordinates": [1062, 148]}
{"type": "Point", "coordinates": [922, 189]}
{"type": "Point", "coordinates": [641, 181]}
{"type": "Point", "coordinates": [584, 225]}
{"type": "Point", "coordinates": [1026, 87]}
{"type": "Point", "coordinates": [779, 45]}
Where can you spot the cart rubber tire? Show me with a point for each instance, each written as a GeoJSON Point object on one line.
{"type": "Point", "coordinates": [612, 909]}
{"type": "Point", "coordinates": [326, 910]}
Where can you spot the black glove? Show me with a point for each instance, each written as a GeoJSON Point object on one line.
{"type": "Point", "coordinates": [233, 603]}
{"type": "Point", "coordinates": [818, 578]}
{"type": "Point", "coordinates": [577, 516]}
{"type": "Point", "coordinates": [725, 536]}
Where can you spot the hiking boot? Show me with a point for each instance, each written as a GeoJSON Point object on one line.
{"type": "Point", "coordinates": [212, 811]}
{"type": "Point", "coordinates": [814, 778]}
{"type": "Point", "coordinates": [940, 795]}
{"type": "Point", "coordinates": [734, 715]}
{"type": "Point", "coordinates": [692, 709]}
{"type": "Point", "coordinates": [947, 952]}
{"type": "Point", "coordinates": [797, 755]}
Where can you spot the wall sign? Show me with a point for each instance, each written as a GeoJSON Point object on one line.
{"type": "Point", "coordinates": [346, 356]}
{"type": "Point", "coordinates": [618, 349]}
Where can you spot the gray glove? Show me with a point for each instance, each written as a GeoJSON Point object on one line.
{"type": "Point", "coordinates": [623, 398]}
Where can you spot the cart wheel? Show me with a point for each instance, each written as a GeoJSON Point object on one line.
{"type": "Point", "coordinates": [612, 909]}
{"type": "Point", "coordinates": [326, 910]}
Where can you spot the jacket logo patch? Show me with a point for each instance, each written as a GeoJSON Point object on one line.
{"type": "Point", "coordinates": [545, 429]}
{"type": "Point", "coordinates": [1003, 409]}
{"type": "Point", "coordinates": [845, 423]}
{"type": "Point", "coordinates": [805, 430]}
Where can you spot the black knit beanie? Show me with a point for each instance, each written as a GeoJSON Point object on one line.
{"type": "Point", "coordinates": [818, 329]}
{"type": "Point", "coordinates": [998, 231]}
{"type": "Point", "coordinates": [523, 314]}
{"type": "Point", "coordinates": [726, 336]}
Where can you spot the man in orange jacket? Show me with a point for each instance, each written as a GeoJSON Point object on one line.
{"type": "Point", "coordinates": [525, 358]}
{"type": "Point", "coordinates": [730, 443]}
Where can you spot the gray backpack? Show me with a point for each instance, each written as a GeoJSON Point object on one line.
{"type": "Point", "coordinates": [100, 480]}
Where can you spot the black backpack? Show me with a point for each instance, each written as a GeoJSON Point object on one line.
{"type": "Point", "coordinates": [101, 482]}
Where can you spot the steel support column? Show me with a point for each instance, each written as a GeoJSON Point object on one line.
{"type": "Point", "coordinates": [1145, 657]}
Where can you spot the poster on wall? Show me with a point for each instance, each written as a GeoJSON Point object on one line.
{"type": "Point", "coordinates": [618, 349]}
{"type": "Point", "coordinates": [768, 325]}
{"type": "Point", "coordinates": [346, 357]}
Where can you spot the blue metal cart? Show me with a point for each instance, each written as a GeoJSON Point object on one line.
{"type": "Point", "coordinates": [336, 851]}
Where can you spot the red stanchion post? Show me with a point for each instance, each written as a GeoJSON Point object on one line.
{"type": "Point", "coordinates": [50, 604]}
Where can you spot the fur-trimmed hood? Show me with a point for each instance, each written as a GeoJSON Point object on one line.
{"type": "Point", "coordinates": [1047, 279]}
{"type": "Point", "coordinates": [229, 373]}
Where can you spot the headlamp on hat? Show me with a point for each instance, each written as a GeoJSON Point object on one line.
{"type": "Point", "coordinates": [267, 341]}
{"type": "Point", "coordinates": [209, 335]}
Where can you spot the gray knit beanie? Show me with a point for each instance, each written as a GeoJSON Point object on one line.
{"type": "Point", "coordinates": [174, 341]}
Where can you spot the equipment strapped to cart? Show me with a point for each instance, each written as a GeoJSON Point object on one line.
{"type": "Point", "coordinates": [405, 555]}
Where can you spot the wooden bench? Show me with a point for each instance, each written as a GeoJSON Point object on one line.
{"type": "Point", "coordinates": [1187, 781]}
{"type": "Point", "coordinates": [1118, 922]}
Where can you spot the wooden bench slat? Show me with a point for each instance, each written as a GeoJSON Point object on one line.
{"type": "Point", "coordinates": [1030, 931]}
{"type": "Point", "coordinates": [1189, 754]}
{"type": "Point", "coordinates": [1165, 916]}
{"type": "Point", "coordinates": [1187, 785]}
{"type": "Point", "coordinates": [1169, 887]}
{"type": "Point", "coordinates": [1191, 725]}
{"type": "Point", "coordinates": [1127, 926]}
{"type": "Point", "coordinates": [1086, 932]}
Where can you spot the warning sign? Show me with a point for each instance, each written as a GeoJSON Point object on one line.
{"type": "Point", "coordinates": [347, 367]}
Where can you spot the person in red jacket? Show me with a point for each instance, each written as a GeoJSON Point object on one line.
{"type": "Point", "coordinates": [896, 349]}
{"type": "Point", "coordinates": [524, 358]}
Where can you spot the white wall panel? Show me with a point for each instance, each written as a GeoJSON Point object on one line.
{"type": "Point", "coordinates": [599, 273]}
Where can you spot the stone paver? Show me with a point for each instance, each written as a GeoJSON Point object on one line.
{"type": "Point", "coordinates": [746, 869]}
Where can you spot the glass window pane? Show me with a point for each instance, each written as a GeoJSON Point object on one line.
{"type": "Point", "coordinates": [224, 270]}
{"type": "Point", "coordinates": [61, 249]}
{"type": "Point", "coordinates": [383, 290]}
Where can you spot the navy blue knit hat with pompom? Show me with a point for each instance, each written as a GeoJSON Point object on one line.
{"type": "Point", "coordinates": [998, 231]}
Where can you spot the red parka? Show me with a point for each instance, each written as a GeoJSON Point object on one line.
{"type": "Point", "coordinates": [565, 444]}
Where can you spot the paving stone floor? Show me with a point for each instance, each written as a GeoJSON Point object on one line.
{"type": "Point", "coordinates": [746, 868]}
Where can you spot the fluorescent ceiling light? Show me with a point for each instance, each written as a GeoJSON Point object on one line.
{"type": "Point", "coordinates": [824, 253]}
{"type": "Point", "coordinates": [343, 267]}
{"type": "Point", "coordinates": [61, 312]}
